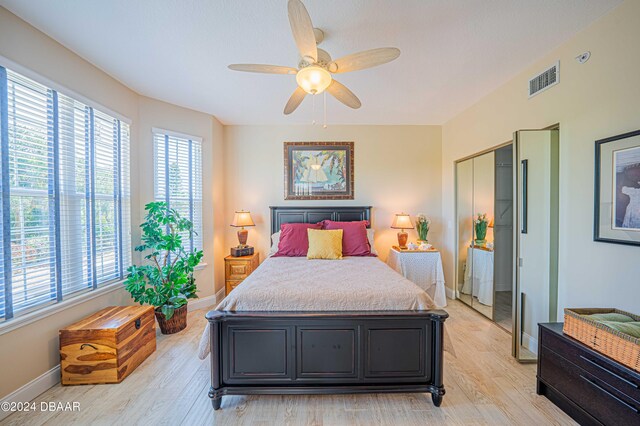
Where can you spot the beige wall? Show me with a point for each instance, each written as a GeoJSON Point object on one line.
{"type": "Point", "coordinates": [597, 99]}
{"type": "Point", "coordinates": [396, 168]}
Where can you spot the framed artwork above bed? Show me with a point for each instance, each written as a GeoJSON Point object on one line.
{"type": "Point", "coordinates": [318, 171]}
{"type": "Point", "coordinates": [617, 189]}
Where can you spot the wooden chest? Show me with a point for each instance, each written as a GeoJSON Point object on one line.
{"type": "Point", "coordinates": [107, 346]}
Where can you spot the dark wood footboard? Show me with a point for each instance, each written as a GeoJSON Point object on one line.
{"type": "Point", "coordinates": [326, 353]}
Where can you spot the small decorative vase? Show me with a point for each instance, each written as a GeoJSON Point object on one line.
{"type": "Point", "coordinates": [423, 242]}
{"type": "Point", "coordinates": [481, 243]}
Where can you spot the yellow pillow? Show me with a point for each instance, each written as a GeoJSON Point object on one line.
{"type": "Point", "coordinates": [324, 244]}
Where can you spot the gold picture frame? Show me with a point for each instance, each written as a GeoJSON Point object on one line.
{"type": "Point", "coordinates": [318, 170]}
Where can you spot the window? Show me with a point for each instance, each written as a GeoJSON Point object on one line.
{"type": "Point", "coordinates": [65, 196]}
{"type": "Point", "coordinates": [178, 177]}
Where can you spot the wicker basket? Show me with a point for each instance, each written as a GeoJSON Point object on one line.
{"type": "Point", "coordinates": [616, 345]}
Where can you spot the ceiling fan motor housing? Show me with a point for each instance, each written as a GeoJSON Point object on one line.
{"type": "Point", "coordinates": [324, 59]}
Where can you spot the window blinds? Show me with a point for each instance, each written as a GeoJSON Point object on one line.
{"type": "Point", "coordinates": [65, 196]}
{"type": "Point", "coordinates": [178, 178]}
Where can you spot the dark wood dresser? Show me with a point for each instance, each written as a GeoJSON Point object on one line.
{"type": "Point", "coordinates": [585, 384]}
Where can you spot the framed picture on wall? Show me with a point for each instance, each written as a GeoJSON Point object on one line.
{"type": "Point", "coordinates": [318, 171]}
{"type": "Point", "coordinates": [617, 189]}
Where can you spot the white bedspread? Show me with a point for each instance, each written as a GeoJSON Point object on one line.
{"type": "Point", "coordinates": [298, 284]}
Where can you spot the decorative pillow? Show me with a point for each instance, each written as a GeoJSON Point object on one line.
{"type": "Point", "coordinates": [293, 239]}
{"type": "Point", "coordinates": [370, 233]}
{"type": "Point", "coordinates": [325, 244]}
{"type": "Point", "coordinates": [275, 240]}
{"type": "Point", "coordinates": [354, 241]}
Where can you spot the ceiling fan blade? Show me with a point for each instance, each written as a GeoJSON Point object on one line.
{"type": "Point", "coordinates": [344, 95]}
{"type": "Point", "coordinates": [302, 30]}
{"type": "Point", "coordinates": [366, 59]}
{"type": "Point", "coordinates": [295, 100]}
{"type": "Point", "coordinates": [266, 69]}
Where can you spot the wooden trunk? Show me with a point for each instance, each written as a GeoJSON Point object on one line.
{"type": "Point", "coordinates": [107, 346]}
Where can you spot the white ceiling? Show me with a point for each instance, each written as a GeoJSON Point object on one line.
{"type": "Point", "coordinates": [453, 51]}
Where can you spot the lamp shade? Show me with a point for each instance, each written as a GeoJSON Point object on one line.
{"type": "Point", "coordinates": [313, 79]}
{"type": "Point", "coordinates": [402, 221]}
{"type": "Point", "coordinates": [242, 218]}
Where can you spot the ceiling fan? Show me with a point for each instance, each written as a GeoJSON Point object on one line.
{"type": "Point", "coordinates": [315, 69]}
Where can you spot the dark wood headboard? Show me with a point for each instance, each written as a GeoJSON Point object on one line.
{"type": "Point", "coordinates": [286, 214]}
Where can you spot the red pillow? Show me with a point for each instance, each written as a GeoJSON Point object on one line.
{"type": "Point", "coordinates": [354, 237]}
{"type": "Point", "coordinates": [294, 241]}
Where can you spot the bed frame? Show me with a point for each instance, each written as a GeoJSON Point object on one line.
{"type": "Point", "coordinates": [325, 352]}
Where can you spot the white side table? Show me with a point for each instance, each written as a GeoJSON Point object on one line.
{"type": "Point", "coordinates": [478, 275]}
{"type": "Point", "coordinates": [424, 268]}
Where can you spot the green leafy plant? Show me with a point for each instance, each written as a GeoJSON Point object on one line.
{"type": "Point", "coordinates": [481, 223]}
{"type": "Point", "coordinates": [422, 226]}
{"type": "Point", "coordinates": [166, 280]}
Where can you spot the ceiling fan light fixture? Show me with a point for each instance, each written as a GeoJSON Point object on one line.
{"type": "Point", "coordinates": [313, 79]}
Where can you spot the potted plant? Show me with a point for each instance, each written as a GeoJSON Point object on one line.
{"type": "Point", "coordinates": [166, 281]}
{"type": "Point", "coordinates": [481, 223]}
{"type": "Point", "coordinates": [422, 226]}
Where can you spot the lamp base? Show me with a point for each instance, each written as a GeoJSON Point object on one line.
{"type": "Point", "coordinates": [242, 237]}
{"type": "Point", "coordinates": [402, 239]}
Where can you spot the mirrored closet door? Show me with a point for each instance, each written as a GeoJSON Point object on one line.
{"type": "Point", "coordinates": [484, 241]}
{"type": "Point", "coordinates": [507, 235]}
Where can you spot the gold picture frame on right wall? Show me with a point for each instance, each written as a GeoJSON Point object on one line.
{"type": "Point", "coordinates": [617, 189]}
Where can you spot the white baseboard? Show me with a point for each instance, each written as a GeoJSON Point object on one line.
{"type": "Point", "coordinates": [450, 293]}
{"type": "Point", "coordinates": [530, 343]}
{"type": "Point", "coordinates": [206, 302]}
{"type": "Point", "coordinates": [33, 389]}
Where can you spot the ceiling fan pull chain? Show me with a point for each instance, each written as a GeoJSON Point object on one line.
{"type": "Point", "coordinates": [313, 110]}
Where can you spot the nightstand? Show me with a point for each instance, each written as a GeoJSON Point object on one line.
{"type": "Point", "coordinates": [423, 268]}
{"type": "Point", "coordinates": [236, 269]}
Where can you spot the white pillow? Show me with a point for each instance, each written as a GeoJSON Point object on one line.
{"type": "Point", "coordinates": [275, 240]}
{"type": "Point", "coordinates": [370, 233]}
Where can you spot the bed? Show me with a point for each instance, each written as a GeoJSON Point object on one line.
{"type": "Point", "coordinates": [313, 336]}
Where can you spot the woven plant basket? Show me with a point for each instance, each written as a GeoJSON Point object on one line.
{"type": "Point", "coordinates": [178, 321]}
{"type": "Point", "coordinates": [616, 345]}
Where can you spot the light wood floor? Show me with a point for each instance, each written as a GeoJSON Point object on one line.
{"type": "Point", "coordinates": [484, 385]}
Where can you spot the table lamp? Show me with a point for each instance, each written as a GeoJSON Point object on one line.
{"type": "Point", "coordinates": [240, 220]}
{"type": "Point", "coordinates": [402, 221]}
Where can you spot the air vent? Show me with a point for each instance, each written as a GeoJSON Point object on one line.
{"type": "Point", "coordinates": [544, 80]}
